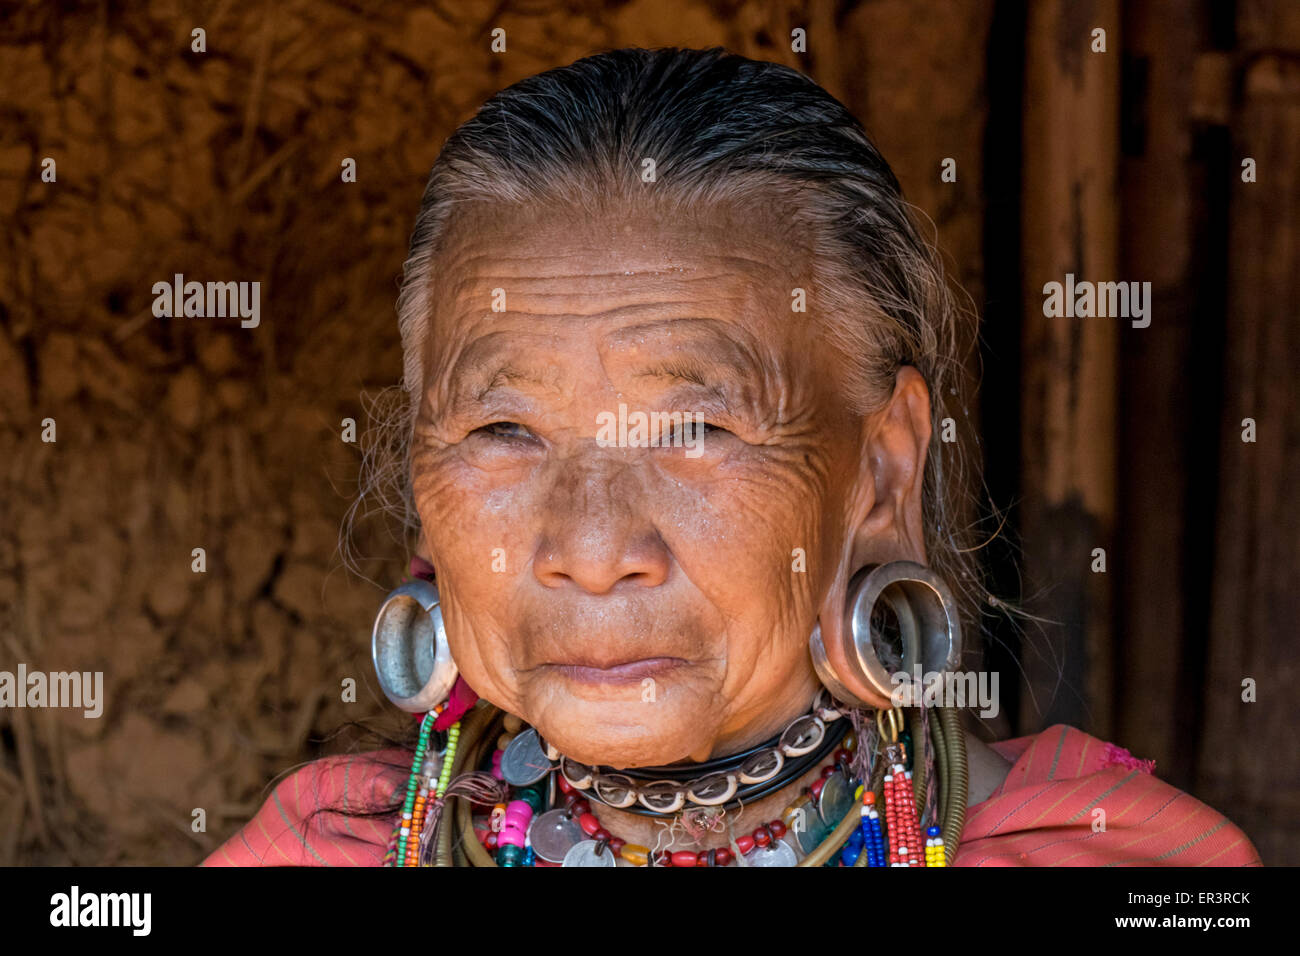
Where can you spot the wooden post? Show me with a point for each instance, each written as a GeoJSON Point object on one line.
{"type": "Point", "coordinates": [1167, 470]}
{"type": "Point", "coordinates": [1069, 401]}
{"type": "Point", "coordinates": [1247, 766]}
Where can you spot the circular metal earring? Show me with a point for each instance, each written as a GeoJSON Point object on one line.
{"type": "Point", "coordinates": [928, 624]}
{"type": "Point", "coordinates": [409, 648]}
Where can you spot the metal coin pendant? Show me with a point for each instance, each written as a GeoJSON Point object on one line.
{"type": "Point", "coordinates": [811, 831]}
{"type": "Point", "coordinates": [524, 762]}
{"type": "Point", "coordinates": [835, 799]}
{"type": "Point", "coordinates": [553, 834]}
{"type": "Point", "coordinates": [779, 853]}
{"type": "Point", "coordinates": [584, 854]}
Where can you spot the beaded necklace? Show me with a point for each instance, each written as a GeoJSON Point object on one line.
{"type": "Point", "coordinates": [763, 846]}
{"type": "Point", "coordinates": [421, 838]}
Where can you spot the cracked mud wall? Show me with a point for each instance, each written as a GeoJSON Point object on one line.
{"type": "Point", "coordinates": [174, 434]}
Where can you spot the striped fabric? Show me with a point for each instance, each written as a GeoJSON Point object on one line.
{"type": "Point", "coordinates": [1042, 815]}
{"type": "Point", "coordinates": [286, 833]}
{"type": "Point", "coordinates": [1046, 812]}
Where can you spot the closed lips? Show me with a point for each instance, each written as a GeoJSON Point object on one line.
{"type": "Point", "coordinates": [629, 670]}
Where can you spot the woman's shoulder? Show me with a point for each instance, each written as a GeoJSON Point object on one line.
{"type": "Point", "coordinates": [1071, 799]}
{"type": "Point", "coordinates": [322, 814]}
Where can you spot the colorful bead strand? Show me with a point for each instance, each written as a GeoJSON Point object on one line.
{"type": "Point", "coordinates": [413, 787]}
{"type": "Point", "coordinates": [404, 845]}
{"type": "Point", "coordinates": [935, 853]}
{"type": "Point", "coordinates": [870, 839]}
{"type": "Point", "coordinates": [904, 830]}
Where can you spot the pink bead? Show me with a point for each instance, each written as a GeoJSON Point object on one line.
{"type": "Point", "coordinates": [510, 836]}
{"type": "Point", "coordinates": [519, 813]}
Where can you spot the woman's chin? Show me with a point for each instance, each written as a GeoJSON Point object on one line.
{"type": "Point", "coordinates": [625, 731]}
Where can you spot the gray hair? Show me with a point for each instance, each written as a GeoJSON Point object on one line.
{"type": "Point", "coordinates": [722, 129]}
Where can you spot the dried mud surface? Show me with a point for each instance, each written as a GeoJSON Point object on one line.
{"type": "Point", "coordinates": [174, 434]}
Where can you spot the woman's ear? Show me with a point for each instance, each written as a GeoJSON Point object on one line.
{"type": "Point", "coordinates": [884, 519]}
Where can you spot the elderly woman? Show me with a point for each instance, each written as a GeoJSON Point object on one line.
{"type": "Point", "coordinates": [678, 361]}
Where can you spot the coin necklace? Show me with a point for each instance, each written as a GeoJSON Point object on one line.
{"type": "Point", "coordinates": [528, 830]}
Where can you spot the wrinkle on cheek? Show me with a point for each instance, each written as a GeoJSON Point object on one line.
{"type": "Point", "coordinates": [463, 525]}
{"type": "Point", "coordinates": [446, 484]}
{"type": "Point", "coordinates": [737, 549]}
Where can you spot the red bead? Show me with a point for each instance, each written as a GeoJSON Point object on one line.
{"type": "Point", "coordinates": [601, 834]}
{"type": "Point", "coordinates": [588, 823]}
{"type": "Point", "coordinates": [778, 828]}
{"type": "Point", "coordinates": [685, 858]}
{"type": "Point", "coordinates": [491, 841]}
{"type": "Point", "coordinates": [816, 788]}
{"type": "Point", "coordinates": [762, 836]}
{"type": "Point", "coordinates": [745, 843]}
{"type": "Point", "coordinates": [663, 858]}
{"type": "Point", "coordinates": [724, 855]}
{"type": "Point", "coordinates": [828, 771]}
{"type": "Point", "coordinates": [842, 755]}
{"type": "Point", "coordinates": [616, 845]}
{"type": "Point", "coordinates": [565, 786]}
{"type": "Point", "coordinates": [581, 806]}
{"type": "Point", "coordinates": [708, 859]}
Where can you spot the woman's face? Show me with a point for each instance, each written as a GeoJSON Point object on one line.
{"type": "Point", "coordinates": [645, 605]}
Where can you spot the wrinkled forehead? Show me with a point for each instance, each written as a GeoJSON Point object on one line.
{"type": "Point", "coordinates": [556, 272]}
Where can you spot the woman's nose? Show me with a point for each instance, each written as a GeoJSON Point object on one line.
{"type": "Point", "coordinates": [595, 534]}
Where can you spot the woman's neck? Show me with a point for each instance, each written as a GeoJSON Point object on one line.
{"type": "Point", "coordinates": [670, 833]}
{"type": "Point", "coordinates": [656, 834]}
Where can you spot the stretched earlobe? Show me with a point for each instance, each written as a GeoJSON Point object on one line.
{"type": "Point", "coordinates": [409, 648]}
{"type": "Point", "coordinates": [850, 656]}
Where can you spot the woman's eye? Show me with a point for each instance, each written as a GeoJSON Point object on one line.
{"type": "Point", "coordinates": [696, 431]}
{"type": "Point", "coordinates": [506, 430]}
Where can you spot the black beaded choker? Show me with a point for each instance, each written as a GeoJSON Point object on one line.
{"type": "Point", "coordinates": [724, 782]}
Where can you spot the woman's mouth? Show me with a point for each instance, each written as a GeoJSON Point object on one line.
{"type": "Point", "coordinates": [622, 672]}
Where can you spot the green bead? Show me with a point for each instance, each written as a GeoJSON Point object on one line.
{"type": "Point", "coordinates": [510, 855]}
{"type": "Point", "coordinates": [533, 797]}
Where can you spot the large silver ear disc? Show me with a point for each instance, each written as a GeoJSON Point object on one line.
{"type": "Point", "coordinates": [409, 648]}
{"type": "Point", "coordinates": [927, 619]}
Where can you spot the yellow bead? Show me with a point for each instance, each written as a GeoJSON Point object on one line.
{"type": "Point", "coordinates": [503, 740]}
{"type": "Point", "coordinates": [795, 811]}
{"type": "Point", "coordinates": [513, 723]}
{"type": "Point", "coordinates": [635, 854]}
